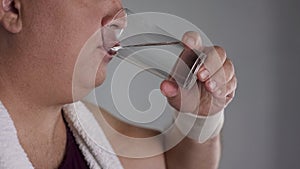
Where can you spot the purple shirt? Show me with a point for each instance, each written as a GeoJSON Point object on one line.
{"type": "Point", "coordinates": [73, 158]}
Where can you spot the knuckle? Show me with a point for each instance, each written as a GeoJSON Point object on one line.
{"type": "Point", "coordinates": [221, 52]}
{"type": "Point", "coordinates": [231, 65]}
{"type": "Point", "coordinates": [208, 50]}
{"type": "Point", "coordinates": [229, 69]}
{"type": "Point", "coordinates": [229, 99]}
{"type": "Point", "coordinates": [192, 40]}
{"type": "Point", "coordinates": [191, 34]}
{"type": "Point", "coordinates": [231, 85]}
{"type": "Point", "coordinates": [235, 81]}
{"type": "Point", "coordinates": [231, 95]}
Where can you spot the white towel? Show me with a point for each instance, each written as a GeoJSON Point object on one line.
{"type": "Point", "coordinates": [12, 155]}
{"type": "Point", "coordinates": [98, 156]}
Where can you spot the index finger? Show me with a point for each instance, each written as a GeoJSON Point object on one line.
{"type": "Point", "coordinates": [192, 40]}
{"type": "Point", "coordinates": [187, 59]}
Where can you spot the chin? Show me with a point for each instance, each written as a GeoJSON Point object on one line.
{"type": "Point", "coordinates": [100, 75]}
{"type": "Point", "coordinates": [83, 86]}
{"type": "Point", "coordinates": [99, 82]}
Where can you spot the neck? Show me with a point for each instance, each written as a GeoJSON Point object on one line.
{"type": "Point", "coordinates": [33, 119]}
{"type": "Point", "coordinates": [40, 129]}
{"type": "Point", "coordinates": [28, 94]}
{"type": "Point", "coordinates": [28, 112]}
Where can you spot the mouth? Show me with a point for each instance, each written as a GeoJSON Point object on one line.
{"type": "Point", "coordinates": [109, 49]}
{"type": "Point", "coordinates": [112, 52]}
{"type": "Point", "coordinates": [109, 52]}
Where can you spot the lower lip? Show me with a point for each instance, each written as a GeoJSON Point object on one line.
{"type": "Point", "coordinates": [109, 55]}
{"type": "Point", "coordinates": [111, 52]}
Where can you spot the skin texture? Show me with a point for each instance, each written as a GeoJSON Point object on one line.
{"type": "Point", "coordinates": [39, 50]}
{"type": "Point", "coordinates": [40, 42]}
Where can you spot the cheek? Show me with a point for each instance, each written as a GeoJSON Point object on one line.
{"type": "Point", "coordinates": [62, 38]}
{"type": "Point", "coordinates": [62, 29]}
{"type": "Point", "coordinates": [89, 69]}
{"type": "Point", "coordinates": [90, 65]}
{"type": "Point", "coordinates": [75, 47]}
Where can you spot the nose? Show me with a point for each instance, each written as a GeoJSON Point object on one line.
{"type": "Point", "coordinates": [117, 21]}
{"type": "Point", "coordinates": [111, 10]}
{"type": "Point", "coordinates": [113, 29]}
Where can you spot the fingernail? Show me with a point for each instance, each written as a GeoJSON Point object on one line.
{"type": "Point", "coordinates": [204, 74]}
{"type": "Point", "coordinates": [170, 91]}
{"type": "Point", "coordinates": [212, 84]}
{"type": "Point", "coordinates": [219, 92]}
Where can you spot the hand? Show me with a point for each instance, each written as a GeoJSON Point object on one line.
{"type": "Point", "coordinates": [216, 82]}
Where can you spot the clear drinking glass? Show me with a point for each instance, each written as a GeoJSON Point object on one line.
{"type": "Point", "coordinates": [135, 39]}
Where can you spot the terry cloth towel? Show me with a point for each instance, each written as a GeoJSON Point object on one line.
{"type": "Point", "coordinates": [13, 156]}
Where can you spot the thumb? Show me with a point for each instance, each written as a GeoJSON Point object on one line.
{"type": "Point", "coordinates": [169, 89]}
{"type": "Point", "coordinates": [174, 94]}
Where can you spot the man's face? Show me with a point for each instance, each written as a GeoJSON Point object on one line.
{"type": "Point", "coordinates": [52, 39]}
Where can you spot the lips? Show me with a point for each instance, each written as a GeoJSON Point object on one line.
{"type": "Point", "coordinates": [110, 53]}
{"type": "Point", "coordinates": [109, 50]}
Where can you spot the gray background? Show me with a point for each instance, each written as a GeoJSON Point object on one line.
{"type": "Point", "coordinates": [262, 38]}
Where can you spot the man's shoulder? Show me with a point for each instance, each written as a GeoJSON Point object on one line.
{"type": "Point", "coordinates": [106, 120]}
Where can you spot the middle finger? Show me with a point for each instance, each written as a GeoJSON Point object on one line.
{"type": "Point", "coordinates": [216, 57]}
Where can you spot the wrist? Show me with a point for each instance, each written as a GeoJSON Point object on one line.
{"type": "Point", "coordinates": [200, 128]}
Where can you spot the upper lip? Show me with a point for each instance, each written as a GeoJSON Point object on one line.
{"type": "Point", "coordinates": [108, 48]}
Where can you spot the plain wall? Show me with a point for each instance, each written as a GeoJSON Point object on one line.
{"type": "Point", "coordinates": [262, 39]}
